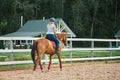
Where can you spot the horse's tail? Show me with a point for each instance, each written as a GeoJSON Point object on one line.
{"type": "Point", "coordinates": [34, 48]}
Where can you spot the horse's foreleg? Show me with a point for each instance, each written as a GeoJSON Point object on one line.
{"type": "Point", "coordinates": [40, 65]}
{"type": "Point", "coordinates": [50, 61]}
{"type": "Point", "coordinates": [59, 57]}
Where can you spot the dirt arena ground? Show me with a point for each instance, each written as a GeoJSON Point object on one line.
{"type": "Point", "coordinates": [79, 71]}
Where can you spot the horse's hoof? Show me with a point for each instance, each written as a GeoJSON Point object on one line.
{"type": "Point", "coordinates": [33, 72]}
{"type": "Point", "coordinates": [61, 69]}
{"type": "Point", "coordinates": [42, 71]}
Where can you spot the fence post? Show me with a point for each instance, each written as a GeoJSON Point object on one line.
{"type": "Point", "coordinates": [92, 46]}
{"type": "Point", "coordinates": [11, 48]}
{"type": "Point", "coordinates": [71, 48]}
{"type": "Point", "coordinates": [110, 47]}
{"type": "Point", "coordinates": [117, 43]}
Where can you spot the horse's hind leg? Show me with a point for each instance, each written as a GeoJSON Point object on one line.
{"type": "Point", "coordinates": [34, 67]}
{"type": "Point", "coordinates": [40, 55]}
{"type": "Point", "coordinates": [38, 60]}
{"type": "Point", "coordinates": [35, 64]}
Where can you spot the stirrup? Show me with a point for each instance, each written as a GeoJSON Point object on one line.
{"type": "Point", "coordinates": [57, 52]}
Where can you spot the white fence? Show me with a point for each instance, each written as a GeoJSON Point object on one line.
{"type": "Point", "coordinates": [92, 49]}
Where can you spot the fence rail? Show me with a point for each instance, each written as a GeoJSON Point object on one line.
{"type": "Point", "coordinates": [92, 49]}
{"type": "Point", "coordinates": [69, 39]}
{"type": "Point", "coordinates": [64, 49]}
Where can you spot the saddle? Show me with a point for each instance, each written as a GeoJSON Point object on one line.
{"type": "Point", "coordinates": [53, 44]}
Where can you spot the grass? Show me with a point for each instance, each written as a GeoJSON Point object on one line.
{"type": "Point", "coordinates": [79, 54]}
{"type": "Point", "coordinates": [76, 54]}
{"type": "Point", "coordinates": [16, 56]}
{"type": "Point", "coordinates": [88, 54]}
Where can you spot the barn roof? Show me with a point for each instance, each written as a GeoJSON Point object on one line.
{"type": "Point", "coordinates": [117, 34]}
{"type": "Point", "coordinates": [37, 27]}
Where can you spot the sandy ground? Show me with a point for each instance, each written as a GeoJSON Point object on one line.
{"type": "Point", "coordinates": [79, 71]}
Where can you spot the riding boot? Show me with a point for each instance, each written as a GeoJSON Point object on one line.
{"type": "Point", "coordinates": [57, 52]}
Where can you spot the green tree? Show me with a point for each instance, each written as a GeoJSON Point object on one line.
{"type": "Point", "coordinates": [86, 18]}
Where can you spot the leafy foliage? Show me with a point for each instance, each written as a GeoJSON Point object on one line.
{"type": "Point", "coordinates": [86, 18]}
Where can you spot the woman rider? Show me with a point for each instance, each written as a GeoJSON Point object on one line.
{"type": "Point", "coordinates": [51, 32]}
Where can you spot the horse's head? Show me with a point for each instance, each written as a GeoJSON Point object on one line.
{"type": "Point", "coordinates": [62, 37]}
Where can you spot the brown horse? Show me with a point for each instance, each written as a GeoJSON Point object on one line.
{"type": "Point", "coordinates": [44, 46]}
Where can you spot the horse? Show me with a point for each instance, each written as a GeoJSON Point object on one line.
{"type": "Point", "coordinates": [44, 46]}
